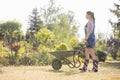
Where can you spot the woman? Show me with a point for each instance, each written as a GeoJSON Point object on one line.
{"type": "Point", "coordinates": [90, 43]}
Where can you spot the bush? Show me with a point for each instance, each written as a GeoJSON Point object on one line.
{"type": "Point", "coordinates": [12, 58]}
{"type": "Point", "coordinates": [109, 58]}
{"type": "Point", "coordinates": [29, 59]}
{"type": "Point", "coordinates": [44, 58]}
{"type": "Point", "coordinates": [62, 47]}
{"type": "Point", "coordinates": [3, 61]}
{"type": "Point", "coordinates": [101, 56]}
{"type": "Point", "coordinates": [118, 54]}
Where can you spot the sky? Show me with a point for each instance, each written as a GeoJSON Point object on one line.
{"type": "Point", "coordinates": [21, 9]}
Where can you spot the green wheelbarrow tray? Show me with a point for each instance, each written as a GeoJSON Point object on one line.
{"type": "Point", "coordinates": [61, 56]}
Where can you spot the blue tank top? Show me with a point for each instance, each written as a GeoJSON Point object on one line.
{"type": "Point", "coordinates": [92, 35]}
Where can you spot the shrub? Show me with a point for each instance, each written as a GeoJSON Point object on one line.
{"type": "Point", "coordinates": [118, 54]}
{"type": "Point", "coordinates": [12, 58]}
{"type": "Point", "coordinates": [43, 57]}
{"type": "Point", "coordinates": [3, 61]}
{"type": "Point", "coordinates": [40, 58]}
{"type": "Point", "coordinates": [29, 59]}
{"type": "Point", "coordinates": [109, 58]}
{"type": "Point", "coordinates": [101, 56]}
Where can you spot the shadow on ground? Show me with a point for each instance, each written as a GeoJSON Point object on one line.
{"type": "Point", "coordinates": [59, 71]}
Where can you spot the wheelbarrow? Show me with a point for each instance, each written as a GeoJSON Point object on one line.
{"type": "Point", "coordinates": [62, 57]}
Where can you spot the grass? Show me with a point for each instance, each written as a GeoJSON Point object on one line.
{"type": "Point", "coordinates": [107, 71]}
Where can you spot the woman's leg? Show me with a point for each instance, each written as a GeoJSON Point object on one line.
{"type": "Point", "coordinates": [86, 60]}
{"type": "Point", "coordinates": [92, 53]}
{"type": "Point", "coordinates": [87, 53]}
{"type": "Point", "coordinates": [95, 60]}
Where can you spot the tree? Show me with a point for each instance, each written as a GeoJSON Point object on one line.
{"type": "Point", "coordinates": [65, 29]}
{"type": "Point", "coordinates": [12, 34]}
{"type": "Point", "coordinates": [61, 24]}
{"type": "Point", "coordinates": [11, 31]}
{"type": "Point", "coordinates": [50, 13]}
{"type": "Point", "coordinates": [35, 21]}
{"type": "Point", "coordinates": [35, 24]}
{"type": "Point", "coordinates": [115, 40]}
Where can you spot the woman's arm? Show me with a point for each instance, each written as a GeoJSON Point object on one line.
{"type": "Point", "coordinates": [89, 26]}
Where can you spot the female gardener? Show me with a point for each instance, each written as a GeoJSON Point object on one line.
{"type": "Point", "coordinates": [90, 43]}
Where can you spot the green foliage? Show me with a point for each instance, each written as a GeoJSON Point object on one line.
{"type": "Point", "coordinates": [50, 13]}
{"type": "Point", "coordinates": [10, 26]}
{"type": "Point", "coordinates": [115, 40]}
{"type": "Point", "coordinates": [100, 42]}
{"type": "Point", "coordinates": [28, 59]}
{"type": "Point", "coordinates": [109, 58]}
{"type": "Point", "coordinates": [10, 31]}
{"type": "Point", "coordinates": [74, 42]}
{"type": "Point", "coordinates": [35, 21]}
{"type": "Point", "coordinates": [49, 27]}
{"type": "Point", "coordinates": [11, 34]}
{"type": "Point", "coordinates": [101, 47]}
{"type": "Point", "coordinates": [61, 47]}
{"type": "Point", "coordinates": [118, 54]}
{"type": "Point", "coordinates": [12, 58]}
{"type": "Point", "coordinates": [64, 30]}
{"type": "Point", "coordinates": [3, 61]}
{"type": "Point", "coordinates": [101, 56]}
{"type": "Point", "coordinates": [60, 23]}
{"type": "Point", "coordinates": [44, 36]}
{"type": "Point", "coordinates": [42, 57]}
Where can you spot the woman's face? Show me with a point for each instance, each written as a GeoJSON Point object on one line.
{"type": "Point", "coordinates": [88, 16]}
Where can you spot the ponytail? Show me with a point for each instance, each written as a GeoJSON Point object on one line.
{"type": "Point", "coordinates": [93, 17]}
{"type": "Point", "coordinates": [91, 14]}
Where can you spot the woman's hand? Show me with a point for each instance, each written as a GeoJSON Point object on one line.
{"type": "Point", "coordinates": [86, 42]}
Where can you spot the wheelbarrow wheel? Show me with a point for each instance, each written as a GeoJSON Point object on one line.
{"type": "Point", "coordinates": [56, 64]}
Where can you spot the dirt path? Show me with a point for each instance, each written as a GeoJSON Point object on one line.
{"type": "Point", "coordinates": [107, 71]}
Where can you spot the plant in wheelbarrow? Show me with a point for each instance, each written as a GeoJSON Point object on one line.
{"type": "Point", "coordinates": [61, 47]}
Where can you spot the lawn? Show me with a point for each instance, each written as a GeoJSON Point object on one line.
{"type": "Point", "coordinates": [107, 71]}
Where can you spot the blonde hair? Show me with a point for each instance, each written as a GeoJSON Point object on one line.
{"type": "Point", "coordinates": [91, 14]}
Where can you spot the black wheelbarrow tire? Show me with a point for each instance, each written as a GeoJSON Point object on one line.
{"type": "Point", "coordinates": [56, 64]}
